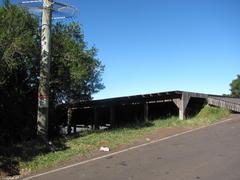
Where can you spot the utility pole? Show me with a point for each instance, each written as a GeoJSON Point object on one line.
{"type": "Point", "coordinates": [43, 89]}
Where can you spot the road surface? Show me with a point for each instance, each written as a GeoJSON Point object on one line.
{"type": "Point", "coordinates": [208, 154]}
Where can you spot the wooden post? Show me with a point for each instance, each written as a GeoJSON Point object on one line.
{"type": "Point", "coordinates": [184, 102]}
{"type": "Point", "coordinates": [92, 119]}
{"type": "Point", "coordinates": [145, 111]}
{"type": "Point", "coordinates": [74, 125]}
{"type": "Point", "coordinates": [95, 123]}
{"type": "Point", "coordinates": [112, 117]}
{"type": "Point", "coordinates": [69, 119]}
{"type": "Point", "coordinates": [182, 105]}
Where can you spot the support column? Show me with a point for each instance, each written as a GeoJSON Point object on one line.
{"type": "Point", "coordinates": [74, 124]}
{"type": "Point", "coordinates": [182, 105]}
{"type": "Point", "coordinates": [69, 119]}
{"type": "Point", "coordinates": [112, 117]}
{"type": "Point", "coordinates": [95, 121]}
{"type": "Point", "coordinates": [145, 112]}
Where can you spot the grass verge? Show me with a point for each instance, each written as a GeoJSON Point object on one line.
{"type": "Point", "coordinates": [32, 156]}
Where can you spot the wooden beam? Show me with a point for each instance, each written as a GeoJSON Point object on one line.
{"type": "Point", "coordinates": [177, 102]}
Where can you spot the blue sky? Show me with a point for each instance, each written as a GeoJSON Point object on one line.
{"type": "Point", "coordinates": [162, 45]}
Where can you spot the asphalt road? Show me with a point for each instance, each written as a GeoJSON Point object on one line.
{"type": "Point", "coordinates": [211, 153]}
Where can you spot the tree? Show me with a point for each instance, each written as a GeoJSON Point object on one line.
{"type": "Point", "coordinates": [18, 62]}
{"type": "Point", "coordinates": [18, 41]}
{"type": "Point", "coordinates": [75, 70]}
{"type": "Point", "coordinates": [235, 87]}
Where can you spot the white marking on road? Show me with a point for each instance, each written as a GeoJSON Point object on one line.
{"type": "Point", "coordinates": [125, 150]}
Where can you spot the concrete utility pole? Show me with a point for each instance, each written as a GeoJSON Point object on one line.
{"type": "Point", "coordinates": [43, 89]}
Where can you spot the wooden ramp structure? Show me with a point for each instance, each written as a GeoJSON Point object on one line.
{"type": "Point", "coordinates": [114, 112]}
{"type": "Point", "coordinates": [230, 103]}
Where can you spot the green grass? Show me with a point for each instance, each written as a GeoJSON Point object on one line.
{"type": "Point", "coordinates": [208, 115]}
{"type": "Point", "coordinates": [88, 142]}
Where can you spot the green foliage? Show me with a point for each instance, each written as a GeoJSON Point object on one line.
{"type": "Point", "coordinates": [235, 87]}
{"type": "Point", "coordinates": [18, 54]}
{"type": "Point", "coordinates": [75, 70]}
{"type": "Point", "coordinates": [17, 45]}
